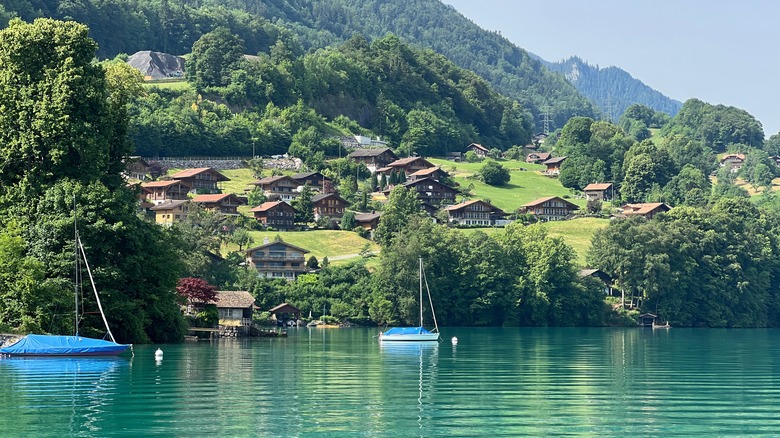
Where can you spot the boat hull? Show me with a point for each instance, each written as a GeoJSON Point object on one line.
{"type": "Point", "coordinates": [423, 337]}
{"type": "Point", "coordinates": [62, 346]}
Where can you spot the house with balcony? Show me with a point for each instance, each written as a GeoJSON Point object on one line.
{"type": "Point", "coordinates": [436, 173]}
{"type": "Point", "coordinates": [553, 166]}
{"type": "Point", "coordinates": [136, 168]}
{"type": "Point", "coordinates": [474, 213]}
{"type": "Point", "coordinates": [278, 215]}
{"type": "Point", "coordinates": [537, 157]}
{"type": "Point", "coordinates": [316, 181]}
{"type": "Point", "coordinates": [733, 162]}
{"type": "Point", "coordinates": [157, 192]}
{"type": "Point", "coordinates": [277, 259]}
{"type": "Point", "coordinates": [429, 191]}
{"type": "Point", "coordinates": [202, 179]}
{"type": "Point", "coordinates": [329, 205]}
{"type": "Point", "coordinates": [374, 158]}
{"type": "Point", "coordinates": [599, 192]}
{"type": "Point", "coordinates": [478, 149]}
{"type": "Point", "coordinates": [225, 203]}
{"type": "Point", "coordinates": [551, 208]}
{"type": "Point", "coordinates": [279, 187]}
{"type": "Point", "coordinates": [410, 165]}
{"type": "Point", "coordinates": [169, 212]}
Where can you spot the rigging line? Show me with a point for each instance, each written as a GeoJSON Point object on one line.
{"type": "Point", "coordinates": [97, 298]}
{"type": "Point", "coordinates": [430, 301]}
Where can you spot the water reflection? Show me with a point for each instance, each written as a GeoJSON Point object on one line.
{"type": "Point", "coordinates": [423, 357]}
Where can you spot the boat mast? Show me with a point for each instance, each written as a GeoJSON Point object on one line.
{"type": "Point", "coordinates": [76, 269]}
{"type": "Point", "coordinates": [421, 294]}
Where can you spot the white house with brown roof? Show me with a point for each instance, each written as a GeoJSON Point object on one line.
{"type": "Point", "coordinates": [550, 208]}
{"type": "Point", "coordinates": [647, 210]}
{"type": "Point", "coordinates": [474, 212]}
{"type": "Point", "coordinates": [733, 162]}
{"type": "Point", "coordinates": [599, 191]}
{"type": "Point", "coordinates": [202, 179]}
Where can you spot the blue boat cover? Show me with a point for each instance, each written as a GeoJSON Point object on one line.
{"type": "Point", "coordinates": [49, 345]}
{"type": "Point", "coordinates": [406, 331]}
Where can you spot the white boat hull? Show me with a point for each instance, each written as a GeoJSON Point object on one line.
{"type": "Point", "coordinates": [409, 337]}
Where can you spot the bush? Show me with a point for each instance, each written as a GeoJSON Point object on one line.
{"type": "Point", "coordinates": [472, 157]}
{"type": "Point", "coordinates": [494, 174]}
{"type": "Point", "coordinates": [263, 319]}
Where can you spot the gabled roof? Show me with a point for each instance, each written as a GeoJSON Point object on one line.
{"type": "Point", "coordinates": [422, 180]}
{"type": "Point", "coordinates": [169, 204]}
{"type": "Point", "coordinates": [597, 186]}
{"type": "Point", "coordinates": [320, 197]}
{"type": "Point", "coordinates": [372, 152]}
{"type": "Point", "coordinates": [305, 175]}
{"type": "Point", "coordinates": [644, 208]}
{"type": "Point", "coordinates": [366, 217]}
{"type": "Point", "coordinates": [549, 198]}
{"type": "Point", "coordinates": [408, 160]}
{"type": "Point", "coordinates": [167, 183]}
{"type": "Point", "coordinates": [556, 160]}
{"type": "Point", "coordinates": [265, 206]}
{"type": "Point", "coordinates": [285, 308]}
{"type": "Point", "coordinates": [478, 146]}
{"type": "Point", "coordinates": [465, 204]}
{"type": "Point", "coordinates": [540, 155]}
{"type": "Point", "coordinates": [189, 173]}
{"type": "Point", "coordinates": [428, 171]}
{"type": "Point", "coordinates": [215, 198]}
{"type": "Point", "coordinates": [273, 179]}
{"type": "Point", "coordinates": [278, 242]}
{"type": "Point", "coordinates": [738, 156]}
{"type": "Point", "coordinates": [234, 299]}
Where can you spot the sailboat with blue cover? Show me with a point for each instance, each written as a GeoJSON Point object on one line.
{"type": "Point", "coordinates": [415, 334]}
{"type": "Point", "coordinates": [54, 345]}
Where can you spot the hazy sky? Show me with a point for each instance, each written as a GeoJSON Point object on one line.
{"type": "Point", "coordinates": [721, 52]}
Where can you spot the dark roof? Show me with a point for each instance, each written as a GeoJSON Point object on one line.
{"type": "Point", "coordinates": [317, 198]}
{"type": "Point", "coordinates": [407, 160]}
{"type": "Point", "coordinates": [641, 209]}
{"type": "Point", "coordinates": [235, 299]}
{"type": "Point", "coordinates": [169, 204]}
{"type": "Point", "coordinates": [188, 173]}
{"type": "Point", "coordinates": [366, 217]}
{"type": "Point", "coordinates": [275, 242]}
{"type": "Point", "coordinates": [479, 146]}
{"type": "Point", "coordinates": [305, 175]}
{"type": "Point", "coordinates": [265, 206]}
{"type": "Point", "coordinates": [373, 152]}
{"type": "Point", "coordinates": [285, 308]}
{"type": "Point", "coordinates": [273, 179]}
{"type": "Point", "coordinates": [555, 160]}
{"type": "Point", "coordinates": [215, 197]}
{"type": "Point", "coordinates": [167, 183]}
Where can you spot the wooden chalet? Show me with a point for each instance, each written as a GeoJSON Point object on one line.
{"type": "Point", "coordinates": [537, 157]}
{"type": "Point", "coordinates": [137, 168]}
{"type": "Point", "coordinates": [278, 215]}
{"type": "Point", "coordinates": [316, 181]}
{"type": "Point", "coordinates": [647, 211]}
{"type": "Point", "coordinates": [551, 208]}
{"type": "Point", "coordinates": [168, 212]}
{"type": "Point", "coordinates": [436, 173]}
{"type": "Point", "coordinates": [235, 309]}
{"type": "Point", "coordinates": [280, 187]}
{"type": "Point", "coordinates": [733, 162]}
{"type": "Point", "coordinates": [599, 191]}
{"type": "Point", "coordinates": [474, 212]}
{"type": "Point", "coordinates": [478, 149]}
{"type": "Point", "coordinates": [369, 221]}
{"type": "Point", "coordinates": [373, 158]}
{"type": "Point", "coordinates": [410, 165]}
{"type": "Point", "coordinates": [277, 260]}
{"type": "Point", "coordinates": [157, 192]}
{"type": "Point", "coordinates": [225, 203]}
{"type": "Point", "coordinates": [553, 165]}
{"type": "Point", "coordinates": [202, 179]}
{"type": "Point", "coordinates": [329, 205]}
{"type": "Point", "coordinates": [430, 191]}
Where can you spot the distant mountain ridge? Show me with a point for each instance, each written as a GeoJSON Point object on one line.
{"type": "Point", "coordinates": [612, 89]}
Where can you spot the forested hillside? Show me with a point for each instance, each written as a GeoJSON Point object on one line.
{"type": "Point", "coordinates": [132, 25]}
{"type": "Point", "coordinates": [612, 89]}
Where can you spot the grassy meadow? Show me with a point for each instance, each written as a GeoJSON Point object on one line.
{"type": "Point", "coordinates": [168, 85]}
{"type": "Point", "coordinates": [524, 185]}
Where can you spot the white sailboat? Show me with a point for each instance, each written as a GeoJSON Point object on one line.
{"type": "Point", "coordinates": [415, 334]}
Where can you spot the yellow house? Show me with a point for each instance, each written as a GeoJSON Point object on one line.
{"type": "Point", "coordinates": [170, 211]}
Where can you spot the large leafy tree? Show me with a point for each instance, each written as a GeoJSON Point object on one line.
{"type": "Point", "coordinates": [214, 58]}
{"type": "Point", "coordinates": [62, 139]}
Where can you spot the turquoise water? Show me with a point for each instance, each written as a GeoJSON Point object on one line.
{"type": "Point", "coordinates": [342, 382]}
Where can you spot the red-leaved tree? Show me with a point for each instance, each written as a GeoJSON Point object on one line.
{"type": "Point", "coordinates": [197, 290]}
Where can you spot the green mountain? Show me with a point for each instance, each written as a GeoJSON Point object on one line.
{"type": "Point", "coordinates": [612, 89]}
{"type": "Point", "coordinates": [127, 26]}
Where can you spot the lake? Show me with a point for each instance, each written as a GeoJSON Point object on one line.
{"type": "Point", "coordinates": [342, 382]}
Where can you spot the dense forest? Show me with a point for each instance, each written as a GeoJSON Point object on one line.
{"type": "Point", "coordinates": [128, 26]}
{"type": "Point", "coordinates": [612, 89]}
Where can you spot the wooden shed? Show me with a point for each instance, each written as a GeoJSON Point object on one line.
{"type": "Point", "coordinates": [285, 313]}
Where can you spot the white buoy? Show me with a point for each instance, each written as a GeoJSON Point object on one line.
{"type": "Point", "coordinates": [454, 340]}
{"type": "Point", "coordinates": [158, 355]}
